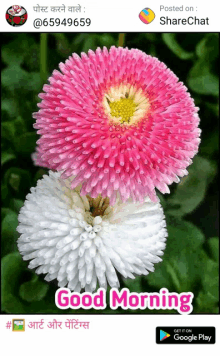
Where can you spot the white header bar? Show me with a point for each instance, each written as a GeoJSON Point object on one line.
{"type": "Point", "coordinates": [112, 16]}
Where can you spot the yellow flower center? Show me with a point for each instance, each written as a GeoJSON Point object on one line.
{"type": "Point", "coordinates": [123, 108]}
{"type": "Point", "coordinates": [125, 105]}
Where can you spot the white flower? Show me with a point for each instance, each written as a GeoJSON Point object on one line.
{"type": "Point", "coordinates": [79, 240]}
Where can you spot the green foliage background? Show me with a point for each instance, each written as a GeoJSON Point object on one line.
{"type": "Point", "coordinates": [190, 261]}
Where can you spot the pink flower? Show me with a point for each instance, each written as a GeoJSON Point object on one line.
{"type": "Point", "coordinates": [16, 8]}
{"type": "Point", "coordinates": [12, 12]}
{"type": "Point", "coordinates": [117, 120]}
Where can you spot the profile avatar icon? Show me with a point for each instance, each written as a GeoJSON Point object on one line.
{"type": "Point", "coordinates": [16, 15]}
{"type": "Point", "coordinates": [147, 15]}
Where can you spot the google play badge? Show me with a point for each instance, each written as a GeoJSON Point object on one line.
{"type": "Point", "coordinates": [163, 335]}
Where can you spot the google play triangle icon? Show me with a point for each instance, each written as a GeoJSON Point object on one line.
{"type": "Point", "coordinates": [163, 335]}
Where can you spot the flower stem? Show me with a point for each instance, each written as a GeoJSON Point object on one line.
{"type": "Point", "coordinates": [43, 57]}
{"type": "Point", "coordinates": [121, 39]}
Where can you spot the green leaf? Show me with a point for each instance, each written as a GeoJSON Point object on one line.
{"type": "Point", "coordinates": [9, 233]}
{"type": "Point", "coordinates": [19, 126]}
{"type": "Point", "coordinates": [63, 46]}
{"type": "Point", "coordinates": [161, 277]}
{"type": "Point", "coordinates": [12, 268]}
{"type": "Point", "coordinates": [14, 77]}
{"type": "Point", "coordinates": [33, 291]}
{"type": "Point", "coordinates": [213, 107]}
{"type": "Point", "coordinates": [39, 175]}
{"type": "Point", "coordinates": [4, 193]}
{"type": "Point", "coordinates": [206, 303]}
{"type": "Point", "coordinates": [89, 43]}
{"type": "Point", "coordinates": [107, 40]}
{"type": "Point", "coordinates": [17, 178]}
{"type": "Point", "coordinates": [162, 200]}
{"type": "Point", "coordinates": [208, 47]}
{"type": "Point", "coordinates": [26, 143]}
{"type": "Point", "coordinates": [181, 268]}
{"type": "Point", "coordinates": [6, 156]}
{"type": "Point", "coordinates": [190, 192]}
{"type": "Point", "coordinates": [173, 45]}
{"type": "Point", "coordinates": [184, 235]}
{"type": "Point", "coordinates": [34, 82]}
{"type": "Point", "coordinates": [134, 285]}
{"type": "Point", "coordinates": [210, 144]}
{"type": "Point", "coordinates": [213, 248]}
{"type": "Point", "coordinates": [8, 131]}
{"type": "Point", "coordinates": [11, 130]}
{"type": "Point", "coordinates": [14, 275]}
{"type": "Point", "coordinates": [92, 41]}
{"type": "Point", "coordinates": [201, 80]}
{"type": "Point", "coordinates": [151, 37]}
{"type": "Point", "coordinates": [14, 181]}
{"type": "Point", "coordinates": [16, 205]}
{"type": "Point", "coordinates": [12, 54]}
{"type": "Point", "coordinates": [15, 51]}
{"type": "Point", "coordinates": [210, 280]}
{"type": "Point", "coordinates": [10, 106]}
{"type": "Point", "coordinates": [4, 212]}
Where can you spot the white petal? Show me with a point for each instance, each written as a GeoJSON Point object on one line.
{"type": "Point", "coordinates": [62, 238]}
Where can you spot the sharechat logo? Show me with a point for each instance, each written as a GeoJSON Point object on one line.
{"type": "Point", "coordinates": [163, 335]}
{"type": "Point", "coordinates": [146, 15]}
